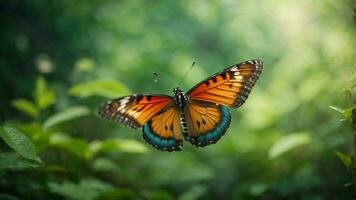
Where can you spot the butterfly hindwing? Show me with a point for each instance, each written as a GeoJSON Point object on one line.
{"type": "Point", "coordinates": [206, 122]}
{"type": "Point", "coordinates": [229, 87]}
{"type": "Point", "coordinates": [163, 131]}
{"type": "Point", "coordinates": [135, 110]}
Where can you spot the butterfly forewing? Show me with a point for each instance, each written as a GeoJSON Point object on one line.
{"type": "Point", "coordinates": [135, 110]}
{"type": "Point", "coordinates": [229, 87]}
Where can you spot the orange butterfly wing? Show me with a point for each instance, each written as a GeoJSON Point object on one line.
{"type": "Point", "coordinates": [206, 122]}
{"type": "Point", "coordinates": [164, 130]}
{"type": "Point", "coordinates": [207, 114]}
{"type": "Point", "coordinates": [135, 110]}
{"type": "Point", "coordinates": [156, 114]}
{"type": "Point", "coordinates": [229, 87]}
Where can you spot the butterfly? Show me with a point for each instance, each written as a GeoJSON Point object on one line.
{"type": "Point", "coordinates": [200, 115]}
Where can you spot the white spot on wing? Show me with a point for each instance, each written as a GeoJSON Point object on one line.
{"type": "Point", "coordinates": [239, 78]}
{"type": "Point", "coordinates": [123, 103]}
{"type": "Point", "coordinates": [234, 69]}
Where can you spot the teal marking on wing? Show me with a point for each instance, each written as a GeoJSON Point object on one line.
{"type": "Point", "coordinates": [214, 135]}
{"type": "Point", "coordinates": [165, 144]}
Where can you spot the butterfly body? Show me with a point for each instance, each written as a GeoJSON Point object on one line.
{"type": "Point", "coordinates": [180, 98]}
{"type": "Point", "coordinates": [200, 115]}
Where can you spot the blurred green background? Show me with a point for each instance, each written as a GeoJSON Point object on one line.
{"type": "Point", "coordinates": [60, 60]}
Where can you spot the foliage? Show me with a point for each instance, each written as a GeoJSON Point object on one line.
{"type": "Point", "coordinates": [109, 89]}
{"type": "Point", "coordinates": [288, 142]}
{"type": "Point", "coordinates": [66, 115]}
{"type": "Point", "coordinates": [61, 59]}
{"type": "Point", "coordinates": [344, 158]}
{"type": "Point", "coordinates": [20, 143]}
{"type": "Point", "coordinates": [86, 189]}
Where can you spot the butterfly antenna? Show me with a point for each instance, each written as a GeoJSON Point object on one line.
{"type": "Point", "coordinates": [185, 75]}
{"type": "Point", "coordinates": [156, 77]}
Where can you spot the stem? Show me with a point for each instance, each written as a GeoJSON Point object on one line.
{"type": "Point", "coordinates": [353, 166]}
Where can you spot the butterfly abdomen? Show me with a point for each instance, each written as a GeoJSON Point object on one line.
{"type": "Point", "coordinates": [181, 101]}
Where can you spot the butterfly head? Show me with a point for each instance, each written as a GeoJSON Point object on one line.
{"type": "Point", "coordinates": [180, 98]}
{"type": "Point", "coordinates": [177, 90]}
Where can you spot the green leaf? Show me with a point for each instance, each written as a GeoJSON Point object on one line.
{"type": "Point", "coordinates": [86, 189]}
{"type": "Point", "coordinates": [105, 164]}
{"type": "Point", "coordinates": [120, 145]}
{"type": "Point", "coordinates": [13, 161]}
{"type": "Point", "coordinates": [85, 64]}
{"type": "Point", "coordinates": [7, 197]}
{"type": "Point", "coordinates": [55, 168]}
{"type": "Point", "coordinates": [287, 143]}
{"type": "Point", "coordinates": [348, 184]}
{"type": "Point", "coordinates": [337, 109]}
{"type": "Point", "coordinates": [194, 171]}
{"type": "Point", "coordinates": [26, 107]}
{"type": "Point", "coordinates": [118, 193]}
{"type": "Point", "coordinates": [351, 84]}
{"type": "Point", "coordinates": [257, 189]}
{"type": "Point", "coordinates": [345, 112]}
{"type": "Point", "coordinates": [103, 88]}
{"type": "Point", "coordinates": [38, 135]}
{"type": "Point", "coordinates": [344, 158]}
{"type": "Point", "coordinates": [44, 96]}
{"type": "Point", "coordinates": [157, 195]}
{"type": "Point", "coordinates": [348, 113]}
{"type": "Point", "coordinates": [194, 192]}
{"type": "Point", "coordinates": [20, 142]}
{"type": "Point", "coordinates": [66, 115]}
{"type": "Point", "coordinates": [77, 146]}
